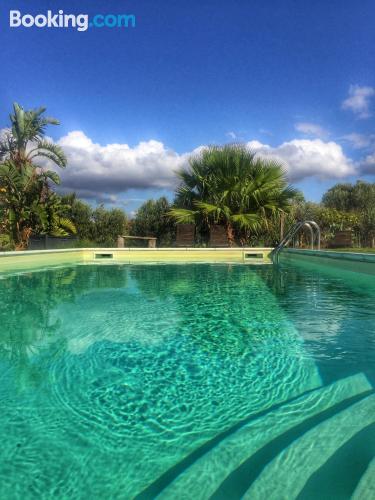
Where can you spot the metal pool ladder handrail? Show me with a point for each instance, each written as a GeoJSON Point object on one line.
{"type": "Point", "coordinates": [314, 232]}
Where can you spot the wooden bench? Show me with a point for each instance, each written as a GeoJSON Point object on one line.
{"type": "Point", "coordinates": [151, 240]}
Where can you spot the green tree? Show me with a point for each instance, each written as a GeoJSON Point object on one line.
{"type": "Point", "coordinates": [25, 141]}
{"type": "Point", "coordinates": [339, 197]}
{"type": "Point", "coordinates": [28, 205]}
{"type": "Point", "coordinates": [81, 215]}
{"type": "Point", "coordinates": [356, 199]}
{"type": "Point", "coordinates": [232, 186]}
{"type": "Point", "coordinates": [24, 184]}
{"type": "Point", "coordinates": [152, 219]}
{"type": "Point", "coordinates": [108, 225]}
{"type": "Point", "coordinates": [95, 226]}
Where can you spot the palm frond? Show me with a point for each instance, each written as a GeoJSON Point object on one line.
{"type": "Point", "coordinates": [248, 221]}
{"type": "Point", "coordinates": [49, 150]}
{"type": "Point", "coordinates": [53, 176]}
{"type": "Point", "coordinates": [182, 215]}
{"type": "Point", "coordinates": [67, 225]}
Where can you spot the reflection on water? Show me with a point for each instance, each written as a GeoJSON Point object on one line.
{"type": "Point", "coordinates": [27, 325]}
{"type": "Point", "coordinates": [334, 312]}
{"type": "Point", "coordinates": [112, 374]}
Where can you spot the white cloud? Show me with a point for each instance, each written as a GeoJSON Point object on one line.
{"type": "Point", "coordinates": [265, 131]}
{"type": "Point", "coordinates": [359, 141]}
{"type": "Point", "coordinates": [235, 135]}
{"type": "Point", "coordinates": [115, 168]}
{"type": "Point", "coordinates": [4, 132]}
{"type": "Point", "coordinates": [101, 173]}
{"type": "Point", "coordinates": [311, 129]}
{"type": "Point", "coordinates": [231, 135]}
{"type": "Point", "coordinates": [367, 166]}
{"type": "Point", "coordinates": [359, 100]}
{"type": "Point", "coordinates": [305, 158]}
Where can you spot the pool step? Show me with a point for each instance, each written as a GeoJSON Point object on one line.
{"type": "Point", "coordinates": [366, 487]}
{"type": "Point", "coordinates": [287, 474]}
{"type": "Point", "coordinates": [206, 476]}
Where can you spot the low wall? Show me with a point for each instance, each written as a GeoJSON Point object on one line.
{"type": "Point", "coordinates": [348, 261]}
{"type": "Point", "coordinates": [130, 255]}
{"type": "Point", "coordinates": [23, 261]}
{"type": "Point", "coordinates": [18, 261]}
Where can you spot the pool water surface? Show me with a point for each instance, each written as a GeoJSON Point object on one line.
{"type": "Point", "coordinates": [187, 381]}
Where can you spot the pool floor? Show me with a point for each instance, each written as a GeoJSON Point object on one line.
{"type": "Point", "coordinates": [189, 381]}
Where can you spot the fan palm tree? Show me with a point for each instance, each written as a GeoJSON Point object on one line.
{"type": "Point", "coordinates": [232, 186]}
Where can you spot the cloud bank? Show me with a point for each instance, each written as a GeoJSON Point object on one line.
{"type": "Point", "coordinates": [101, 173]}
{"type": "Point", "coordinates": [305, 158]}
{"type": "Point", "coordinates": [114, 168]}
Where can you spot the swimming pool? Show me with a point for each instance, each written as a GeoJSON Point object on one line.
{"type": "Point", "coordinates": [187, 381]}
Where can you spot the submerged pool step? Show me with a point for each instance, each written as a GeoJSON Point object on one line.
{"type": "Point", "coordinates": [339, 476]}
{"type": "Point", "coordinates": [205, 476]}
{"type": "Point", "coordinates": [286, 475]}
{"type": "Point", "coordinates": [366, 487]}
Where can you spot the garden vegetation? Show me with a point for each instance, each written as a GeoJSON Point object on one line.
{"type": "Point", "coordinates": [229, 185]}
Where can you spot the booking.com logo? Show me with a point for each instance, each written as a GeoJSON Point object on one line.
{"type": "Point", "coordinates": [81, 22]}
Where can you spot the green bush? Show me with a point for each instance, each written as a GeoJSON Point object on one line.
{"type": "Point", "coordinates": [6, 243]}
{"type": "Point", "coordinates": [97, 227]}
{"type": "Point", "coordinates": [152, 219]}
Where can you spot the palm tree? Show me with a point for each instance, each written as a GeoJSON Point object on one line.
{"type": "Point", "coordinates": [25, 185]}
{"type": "Point", "coordinates": [232, 186]}
{"type": "Point", "coordinates": [29, 205]}
{"type": "Point", "coordinates": [25, 141]}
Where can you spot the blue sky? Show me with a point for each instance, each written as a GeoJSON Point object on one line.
{"type": "Point", "coordinates": [294, 79]}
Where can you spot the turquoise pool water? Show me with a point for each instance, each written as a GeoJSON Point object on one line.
{"type": "Point", "coordinates": [187, 381]}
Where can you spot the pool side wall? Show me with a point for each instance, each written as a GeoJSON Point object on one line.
{"type": "Point", "coordinates": [39, 259]}
{"type": "Point", "coordinates": [348, 261]}
{"type": "Point", "coordinates": [18, 261]}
